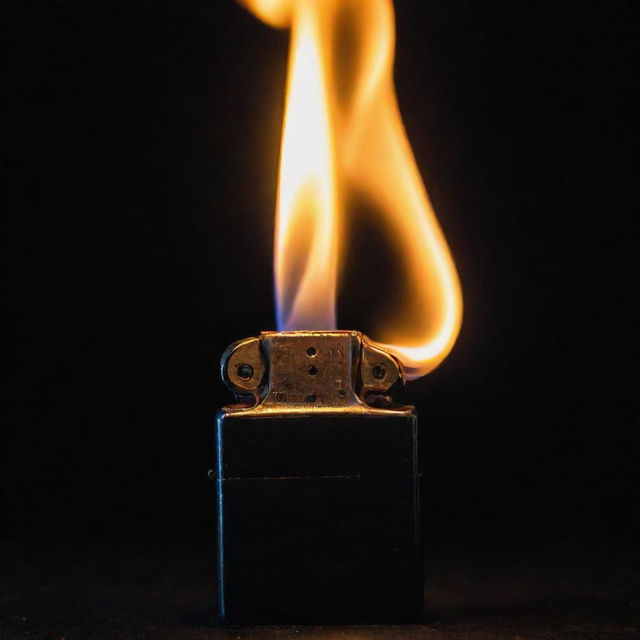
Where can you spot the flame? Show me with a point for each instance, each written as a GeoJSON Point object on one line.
{"type": "Point", "coordinates": [343, 134]}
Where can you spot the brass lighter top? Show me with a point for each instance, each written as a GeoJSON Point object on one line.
{"type": "Point", "coordinates": [311, 371]}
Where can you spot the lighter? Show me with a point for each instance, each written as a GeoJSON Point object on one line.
{"type": "Point", "coordinates": [317, 484]}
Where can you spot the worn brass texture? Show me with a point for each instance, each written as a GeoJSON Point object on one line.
{"type": "Point", "coordinates": [293, 372]}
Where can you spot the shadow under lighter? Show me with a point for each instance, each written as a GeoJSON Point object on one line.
{"type": "Point", "coordinates": [317, 484]}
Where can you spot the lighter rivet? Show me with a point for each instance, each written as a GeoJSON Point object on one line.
{"type": "Point", "coordinates": [378, 372]}
{"type": "Point", "coordinates": [311, 352]}
{"type": "Point", "coordinates": [245, 371]}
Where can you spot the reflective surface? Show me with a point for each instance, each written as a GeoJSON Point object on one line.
{"type": "Point", "coordinates": [557, 591]}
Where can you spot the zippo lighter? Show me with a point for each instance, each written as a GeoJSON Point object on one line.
{"type": "Point", "coordinates": [317, 484]}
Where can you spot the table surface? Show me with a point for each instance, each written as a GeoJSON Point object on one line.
{"type": "Point", "coordinates": [162, 590]}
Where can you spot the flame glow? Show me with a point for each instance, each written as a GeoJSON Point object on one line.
{"type": "Point", "coordinates": [343, 133]}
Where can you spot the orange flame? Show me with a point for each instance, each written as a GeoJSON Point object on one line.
{"type": "Point", "coordinates": [343, 133]}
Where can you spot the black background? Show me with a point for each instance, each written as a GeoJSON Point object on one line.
{"type": "Point", "coordinates": [141, 143]}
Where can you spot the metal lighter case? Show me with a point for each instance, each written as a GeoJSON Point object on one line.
{"type": "Point", "coordinates": [317, 484]}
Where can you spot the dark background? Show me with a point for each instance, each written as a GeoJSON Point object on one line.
{"type": "Point", "coordinates": [141, 143]}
